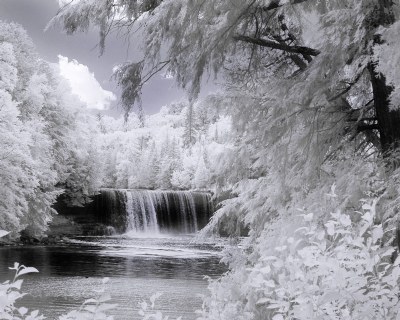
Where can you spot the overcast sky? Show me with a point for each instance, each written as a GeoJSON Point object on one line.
{"type": "Point", "coordinates": [57, 47]}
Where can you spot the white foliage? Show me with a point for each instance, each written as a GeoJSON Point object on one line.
{"type": "Point", "coordinates": [156, 156]}
{"type": "Point", "coordinates": [37, 136]}
{"type": "Point", "coordinates": [8, 77]}
{"type": "Point", "coordinates": [337, 270]}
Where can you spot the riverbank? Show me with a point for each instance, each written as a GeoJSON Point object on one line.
{"type": "Point", "coordinates": [59, 230]}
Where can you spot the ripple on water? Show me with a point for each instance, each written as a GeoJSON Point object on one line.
{"type": "Point", "coordinates": [137, 267]}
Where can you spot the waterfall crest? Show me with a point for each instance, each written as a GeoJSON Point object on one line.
{"type": "Point", "coordinates": [151, 211]}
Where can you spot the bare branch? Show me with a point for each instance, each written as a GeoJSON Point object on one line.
{"type": "Point", "coordinates": [275, 4]}
{"type": "Point", "coordinates": [278, 46]}
{"type": "Point", "coordinates": [153, 71]}
{"type": "Point", "coordinates": [298, 61]}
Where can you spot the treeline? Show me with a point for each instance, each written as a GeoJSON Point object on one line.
{"type": "Point", "coordinates": [176, 148]}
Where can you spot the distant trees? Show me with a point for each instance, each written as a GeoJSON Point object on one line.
{"type": "Point", "coordinates": [157, 156]}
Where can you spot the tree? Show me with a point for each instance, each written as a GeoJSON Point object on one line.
{"type": "Point", "coordinates": [26, 175]}
{"type": "Point", "coordinates": [16, 183]}
{"type": "Point", "coordinates": [303, 89]}
{"type": "Point", "coordinates": [189, 137]}
{"type": "Point", "coordinates": [37, 134]}
{"type": "Point", "coordinates": [266, 33]}
{"type": "Point", "coordinates": [201, 175]}
{"type": "Point", "coordinates": [313, 102]}
{"type": "Point", "coordinates": [388, 119]}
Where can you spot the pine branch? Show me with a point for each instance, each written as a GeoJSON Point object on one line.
{"type": "Point", "coordinates": [278, 46]}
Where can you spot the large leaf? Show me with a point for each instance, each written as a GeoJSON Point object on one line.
{"type": "Point", "coordinates": [26, 270]}
{"type": "Point", "coordinates": [3, 233]}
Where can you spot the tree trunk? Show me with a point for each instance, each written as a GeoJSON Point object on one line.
{"type": "Point", "coordinates": [388, 120]}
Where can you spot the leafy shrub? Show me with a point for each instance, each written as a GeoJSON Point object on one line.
{"type": "Point", "coordinates": [340, 269]}
{"type": "Point", "coordinates": [147, 310]}
{"type": "Point", "coordinates": [10, 292]}
{"type": "Point", "coordinates": [93, 308]}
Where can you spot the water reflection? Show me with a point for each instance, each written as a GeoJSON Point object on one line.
{"type": "Point", "coordinates": [137, 268]}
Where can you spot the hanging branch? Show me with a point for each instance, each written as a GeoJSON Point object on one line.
{"type": "Point", "coordinates": [131, 79]}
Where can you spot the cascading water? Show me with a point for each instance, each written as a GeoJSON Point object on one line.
{"type": "Point", "coordinates": [153, 211]}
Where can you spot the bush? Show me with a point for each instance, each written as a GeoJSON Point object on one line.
{"type": "Point", "coordinates": [340, 269]}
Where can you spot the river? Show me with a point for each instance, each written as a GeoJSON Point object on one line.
{"type": "Point", "coordinates": [137, 268]}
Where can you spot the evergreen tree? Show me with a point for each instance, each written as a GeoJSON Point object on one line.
{"type": "Point", "coordinates": [201, 179]}
{"type": "Point", "coordinates": [189, 136]}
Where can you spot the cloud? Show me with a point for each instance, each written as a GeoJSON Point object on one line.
{"type": "Point", "coordinates": [84, 84]}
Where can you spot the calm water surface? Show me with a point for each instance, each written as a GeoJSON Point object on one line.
{"type": "Point", "coordinates": [137, 268]}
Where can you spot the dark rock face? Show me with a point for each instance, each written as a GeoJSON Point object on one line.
{"type": "Point", "coordinates": [121, 210]}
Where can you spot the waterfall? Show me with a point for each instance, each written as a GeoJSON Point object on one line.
{"type": "Point", "coordinates": [151, 211]}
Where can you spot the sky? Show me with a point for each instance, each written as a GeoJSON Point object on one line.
{"type": "Point", "coordinates": [79, 60]}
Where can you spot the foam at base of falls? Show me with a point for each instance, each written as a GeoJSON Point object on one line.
{"type": "Point", "coordinates": [137, 212]}
{"type": "Point", "coordinates": [133, 234]}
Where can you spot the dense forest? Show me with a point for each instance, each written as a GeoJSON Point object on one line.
{"type": "Point", "coordinates": [300, 145]}
{"type": "Point", "coordinates": [46, 143]}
